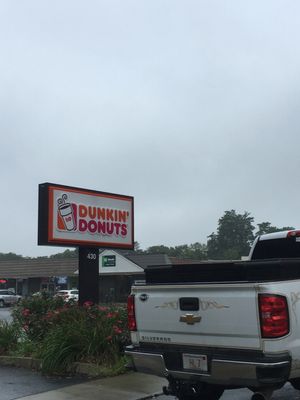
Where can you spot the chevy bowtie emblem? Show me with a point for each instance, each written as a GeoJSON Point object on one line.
{"type": "Point", "coordinates": [190, 319]}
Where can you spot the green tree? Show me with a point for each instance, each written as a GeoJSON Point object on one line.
{"type": "Point", "coordinates": [66, 254]}
{"type": "Point", "coordinates": [137, 248]}
{"type": "Point", "coordinates": [266, 227]}
{"type": "Point", "coordinates": [233, 238]}
{"type": "Point", "coordinates": [9, 256]}
{"type": "Point", "coordinates": [198, 251]}
{"type": "Point", "coordinates": [194, 251]}
{"type": "Point", "coordinates": [180, 251]}
{"type": "Point", "coordinates": [159, 249]}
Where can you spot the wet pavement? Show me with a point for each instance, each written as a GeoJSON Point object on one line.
{"type": "Point", "coordinates": [20, 382]}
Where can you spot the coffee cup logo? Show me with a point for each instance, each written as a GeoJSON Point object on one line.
{"type": "Point", "coordinates": [65, 210]}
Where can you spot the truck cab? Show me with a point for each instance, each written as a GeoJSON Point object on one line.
{"type": "Point", "coordinates": [283, 244]}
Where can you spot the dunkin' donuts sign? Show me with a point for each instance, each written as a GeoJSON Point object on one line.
{"type": "Point", "coordinates": [79, 217]}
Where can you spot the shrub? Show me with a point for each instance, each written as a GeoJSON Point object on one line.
{"type": "Point", "coordinates": [89, 333]}
{"type": "Point", "coordinates": [65, 332]}
{"type": "Point", "coordinates": [31, 314]}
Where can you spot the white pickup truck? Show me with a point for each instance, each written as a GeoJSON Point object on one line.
{"type": "Point", "coordinates": [214, 326]}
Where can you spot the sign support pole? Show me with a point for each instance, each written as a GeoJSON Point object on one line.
{"type": "Point", "coordinates": [88, 281]}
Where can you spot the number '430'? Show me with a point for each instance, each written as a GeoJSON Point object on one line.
{"type": "Point", "coordinates": [91, 256]}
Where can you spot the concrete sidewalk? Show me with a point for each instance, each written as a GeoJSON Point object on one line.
{"type": "Point", "coordinates": [130, 386]}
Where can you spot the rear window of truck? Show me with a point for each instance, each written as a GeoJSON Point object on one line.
{"type": "Point", "coordinates": [277, 248]}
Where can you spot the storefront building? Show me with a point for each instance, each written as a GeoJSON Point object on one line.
{"type": "Point", "coordinates": [118, 271]}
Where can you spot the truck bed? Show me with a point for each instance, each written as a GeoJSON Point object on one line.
{"type": "Point", "coordinates": [224, 272]}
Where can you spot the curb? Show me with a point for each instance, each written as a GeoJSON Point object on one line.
{"type": "Point", "coordinates": [23, 362]}
{"type": "Point", "coordinates": [77, 368]}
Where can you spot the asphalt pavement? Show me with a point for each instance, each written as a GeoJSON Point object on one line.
{"type": "Point", "coordinates": [131, 386]}
{"type": "Point", "coordinates": [17, 383]}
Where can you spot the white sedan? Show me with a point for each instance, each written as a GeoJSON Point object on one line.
{"type": "Point", "coordinates": [8, 298]}
{"type": "Point", "coordinates": [69, 294]}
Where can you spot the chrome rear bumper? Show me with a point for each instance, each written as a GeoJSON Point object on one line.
{"type": "Point", "coordinates": [223, 372]}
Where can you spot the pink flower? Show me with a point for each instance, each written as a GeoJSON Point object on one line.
{"type": "Point", "coordinates": [25, 312]}
{"type": "Point", "coordinates": [101, 308]}
{"type": "Point", "coordinates": [109, 338]}
{"type": "Point", "coordinates": [26, 328]}
{"type": "Point", "coordinates": [117, 330]}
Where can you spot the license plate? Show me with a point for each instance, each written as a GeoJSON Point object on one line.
{"type": "Point", "coordinates": [197, 362]}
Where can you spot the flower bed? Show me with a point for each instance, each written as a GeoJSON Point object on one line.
{"type": "Point", "coordinates": [61, 334]}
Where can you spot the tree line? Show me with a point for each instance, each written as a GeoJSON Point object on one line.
{"type": "Point", "coordinates": [232, 239]}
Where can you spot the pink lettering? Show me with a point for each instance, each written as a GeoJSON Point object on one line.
{"type": "Point", "coordinates": [117, 226]}
{"type": "Point", "coordinates": [82, 225]}
{"type": "Point", "coordinates": [123, 229]}
{"type": "Point", "coordinates": [110, 228]}
{"type": "Point", "coordinates": [102, 227]}
{"type": "Point", "coordinates": [92, 226]}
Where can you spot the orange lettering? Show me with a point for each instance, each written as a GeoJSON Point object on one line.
{"type": "Point", "coordinates": [101, 213]}
{"type": "Point", "coordinates": [109, 214]}
{"type": "Point", "coordinates": [82, 211]}
{"type": "Point", "coordinates": [92, 212]}
{"type": "Point", "coordinates": [122, 216]}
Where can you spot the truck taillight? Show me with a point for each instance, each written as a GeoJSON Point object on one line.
{"type": "Point", "coordinates": [131, 313]}
{"type": "Point", "coordinates": [274, 315]}
{"type": "Point", "coordinates": [292, 234]}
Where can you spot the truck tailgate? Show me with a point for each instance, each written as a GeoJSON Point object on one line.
{"type": "Point", "coordinates": [218, 315]}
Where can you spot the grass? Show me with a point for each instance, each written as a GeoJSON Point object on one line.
{"type": "Point", "coordinates": [8, 337]}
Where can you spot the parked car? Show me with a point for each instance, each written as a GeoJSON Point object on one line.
{"type": "Point", "coordinates": [69, 294]}
{"type": "Point", "coordinates": [8, 297]}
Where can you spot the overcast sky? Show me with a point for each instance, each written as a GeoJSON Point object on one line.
{"type": "Point", "coordinates": [192, 107]}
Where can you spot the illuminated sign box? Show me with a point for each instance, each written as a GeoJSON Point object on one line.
{"type": "Point", "coordinates": [70, 216]}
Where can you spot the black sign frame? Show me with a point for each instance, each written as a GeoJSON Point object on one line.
{"type": "Point", "coordinates": [43, 218]}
